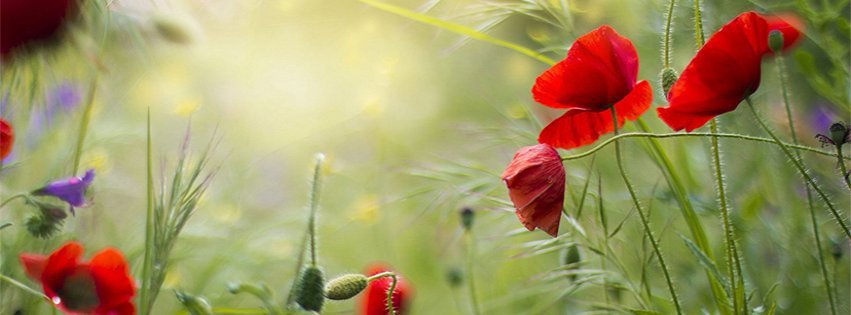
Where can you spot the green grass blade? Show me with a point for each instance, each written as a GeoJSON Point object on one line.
{"type": "Point", "coordinates": [458, 29]}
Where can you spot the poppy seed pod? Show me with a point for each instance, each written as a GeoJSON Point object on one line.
{"type": "Point", "coordinates": [775, 40]}
{"type": "Point", "coordinates": [839, 134]}
{"type": "Point", "coordinates": [310, 291]}
{"type": "Point", "coordinates": [345, 287]}
{"type": "Point", "coordinates": [535, 180]}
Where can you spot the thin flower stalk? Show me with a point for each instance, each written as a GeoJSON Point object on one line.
{"type": "Point", "coordinates": [781, 73]}
{"type": "Point", "coordinates": [471, 283]}
{"type": "Point", "coordinates": [84, 126]}
{"type": "Point", "coordinates": [644, 220]}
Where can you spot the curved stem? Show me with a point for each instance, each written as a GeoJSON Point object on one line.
{"type": "Point", "coordinates": [390, 308]}
{"type": "Point", "coordinates": [802, 170]}
{"type": "Point", "coordinates": [644, 220]}
{"type": "Point", "coordinates": [25, 288]}
{"type": "Point", "coordinates": [693, 135]}
{"type": "Point", "coordinates": [21, 195]}
{"type": "Point", "coordinates": [781, 73]}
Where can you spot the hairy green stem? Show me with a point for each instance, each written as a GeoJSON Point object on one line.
{"type": "Point", "coordinates": [801, 169]}
{"type": "Point", "coordinates": [669, 17]}
{"type": "Point", "coordinates": [698, 25]}
{"type": "Point", "coordinates": [314, 204]}
{"type": "Point", "coordinates": [471, 283]}
{"type": "Point", "coordinates": [644, 220]}
{"type": "Point", "coordinates": [692, 135]}
{"type": "Point", "coordinates": [733, 265]}
{"type": "Point", "coordinates": [781, 73]}
{"type": "Point", "coordinates": [842, 169]}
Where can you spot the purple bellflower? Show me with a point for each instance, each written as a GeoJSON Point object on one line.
{"type": "Point", "coordinates": [71, 190]}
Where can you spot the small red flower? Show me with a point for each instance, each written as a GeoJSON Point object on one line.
{"type": "Point", "coordinates": [599, 73]}
{"type": "Point", "coordinates": [535, 180]}
{"type": "Point", "coordinates": [7, 138]}
{"type": "Point", "coordinates": [724, 71]}
{"type": "Point", "coordinates": [102, 286]}
{"type": "Point", "coordinates": [24, 21]}
{"type": "Point", "coordinates": [375, 301]}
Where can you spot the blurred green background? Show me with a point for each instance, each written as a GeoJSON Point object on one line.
{"type": "Point", "coordinates": [416, 122]}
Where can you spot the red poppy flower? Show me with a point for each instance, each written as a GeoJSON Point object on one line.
{"type": "Point", "coordinates": [724, 71]}
{"type": "Point", "coordinates": [599, 73]}
{"type": "Point", "coordinates": [101, 287]}
{"type": "Point", "coordinates": [23, 21]}
{"type": "Point", "coordinates": [535, 180]}
{"type": "Point", "coordinates": [7, 138]}
{"type": "Point", "coordinates": [375, 301]}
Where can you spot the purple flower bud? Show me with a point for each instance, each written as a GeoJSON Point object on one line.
{"type": "Point", "coordinates": [71, 190]}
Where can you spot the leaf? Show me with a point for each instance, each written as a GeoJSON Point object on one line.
{"type": "Point", "coordinates": [707, 263]}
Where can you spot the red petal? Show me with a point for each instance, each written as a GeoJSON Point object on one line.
{"type": "Point", "coordinates": [600, 69]}
{"type": "Point", "coordinates": [721, 75]}
{"type": "Point", "coordinates": [790, 25]}
{"type": "Point", "coordinates": [124, 309]}
{"type": "Point", "coordinates": [112, 279]}
{"type": "Point", "coordinates": [34, 265]}
{"type": "Point", "coordinates": [535, 180]}
{"type": "Point", "coordinates": [59, 265]}
{"type": "Point", "coordinates": [7, 138]}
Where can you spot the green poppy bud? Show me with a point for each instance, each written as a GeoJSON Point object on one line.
{"type": "Point", "coordinates": [775, 40]}
{"type": "Point", "coordinates": [193, 304]}
{"type": "Point", "coordinates": [346, 286]}
{"type": "Point", "coordinates": [669, 77]}
{"type": "Point", "coordinates": [467, 216]}
{"type": "Point", "coordinates": [455, 276]}
{"type": "Point", "coordinates": [309, 290]}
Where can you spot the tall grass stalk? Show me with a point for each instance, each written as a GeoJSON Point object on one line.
{"type": "Point", "coordinates": [644, 219]}
{"type": "Point", "coordinates": [168, 212]}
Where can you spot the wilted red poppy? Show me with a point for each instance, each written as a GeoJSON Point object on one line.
{"type": "Point", "coordinates": [535, 180]}
{"type": "Point", "coordinates": [7, 138]}
{"type": "Point", "coordinates": [599, 73]}
{"type": "Point", "coordinates": [101, 287]}
{"type": "Point", "coordinates": [724, 71]}
{"type": "Point", "coordinates": [23, 21]}
{"type": "Point", "coordinates": [375, 301]}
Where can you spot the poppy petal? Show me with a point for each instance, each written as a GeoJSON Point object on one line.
{"type": "Point", "coordinates": [112, 278]}
{"type": "Point", "coordinates": [59, 265]}
{"type": "Point", "coordinates": [634, 104]}
{"type": "Point", "coordinates": [600, 69]}
{"type": "Point", "coordinates": [7, 138]}
{"type": "Point", "coordinates": [34, 265]}
{"type": "Point", "coordinates": [724, 71]}
{"type": "Point", "coordinates": [576, 128]}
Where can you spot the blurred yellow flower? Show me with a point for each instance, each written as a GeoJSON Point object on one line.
{"type": "Point", "coordinates": [366, 209]}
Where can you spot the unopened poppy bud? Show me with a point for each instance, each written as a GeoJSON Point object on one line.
{"type": "Point", "coordinates": [836, 248]}
{"type": "Point", "coordinates": [839, 133]}
{"type": "Point", "coordinates": [346, 286]}
{"type": "Point", "coordinates": [310, 289]}
{"type": "Point", "coordinates": [174, 28]}
{"type": "Point", "coordinates": [193, 304]}
{"type": "Point", "coordinates": [775, 40]}
{"type": "Point", "coordinates": [572, 259]}
{"type": "Point", "coordinates": [455, 276]}
{"type": "Point", "coordinates": [467, 216]}
{"type": "Point", "coordinates": [669, 77]}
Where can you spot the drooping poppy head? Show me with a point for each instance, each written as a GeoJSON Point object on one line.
{"type": "Point", "coordinates": [7, 138]}
{"type": "Point", "coordinates": [598, 73]}
{"type": "Point", "coordinates": [375, 300]}
{"type": "Point", "coordinates": [71, 190]}
{"type": "Point", "coordinates": [535, 180]}
{"type": "Point", "coordinates": [102, 286]}
{"type": "Point", "coordinates": [724, 71]}
{"type": "Point", "coordinates": [25, 21]}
